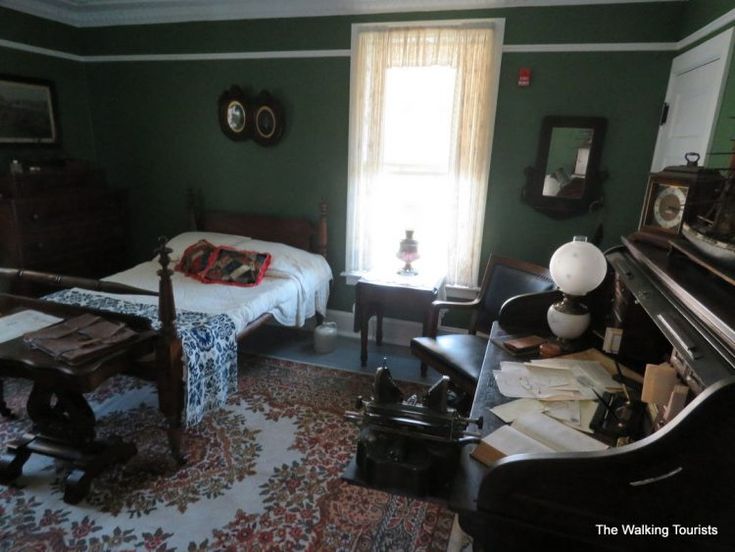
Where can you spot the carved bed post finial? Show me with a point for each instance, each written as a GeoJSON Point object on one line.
{"type": "Point", "coordinates": [166, 306]}
{"type": "Point", "coordinates": [322, 229]}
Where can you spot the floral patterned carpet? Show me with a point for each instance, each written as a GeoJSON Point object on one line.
{"type": "Point", "coordinates": [263, 473]}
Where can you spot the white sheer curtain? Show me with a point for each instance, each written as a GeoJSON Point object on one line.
{"type": "Point", "coordinates": [422, 108]}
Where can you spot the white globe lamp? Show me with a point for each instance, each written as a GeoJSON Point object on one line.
{"type": "Point", "coordinates": [577, 268]}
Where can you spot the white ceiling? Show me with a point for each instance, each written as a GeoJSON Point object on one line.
{"type": "Point", "coordinates": [99, 13]}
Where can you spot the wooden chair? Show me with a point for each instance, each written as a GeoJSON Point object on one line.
{"type": "Point", "coordinates": [460, 356]}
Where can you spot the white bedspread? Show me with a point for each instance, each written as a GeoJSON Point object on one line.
{"type": "Point", "coordinates": [295, 287]}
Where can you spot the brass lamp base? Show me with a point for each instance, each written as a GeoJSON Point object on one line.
{"type": "Point", "coordinates": [408, 270]}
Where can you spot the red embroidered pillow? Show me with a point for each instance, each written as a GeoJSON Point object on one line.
{"type": "Point", "coordinates": [228, 265]}
{"type": "Point", "coordinates": [195, 258]}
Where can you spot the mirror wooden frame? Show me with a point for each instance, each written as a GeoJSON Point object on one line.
{"type": "Point", "coordinates": [563, 207]}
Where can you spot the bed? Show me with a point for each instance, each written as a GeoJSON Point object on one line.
{"type": "Point", "coordinates": [199, 325]}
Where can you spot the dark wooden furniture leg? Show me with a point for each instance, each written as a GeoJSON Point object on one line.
{"type": "Point", "coordinates": [364, 319]}
{"type": "Point", "coordinates": [64, 429]}
{"type": "Point", "coordinates": [425, 329]}
{"type": "Point", "coordinates": [4, 410]}
{"type": "Point", "coordinates": [379, 325]}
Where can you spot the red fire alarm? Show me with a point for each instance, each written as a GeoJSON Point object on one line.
{"type": "Point", "coordinates": [524, 76]}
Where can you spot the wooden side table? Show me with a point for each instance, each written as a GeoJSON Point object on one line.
{"type": "Point", "coordinates": [410, 295]}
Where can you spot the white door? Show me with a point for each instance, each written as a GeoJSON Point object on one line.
{"type": "Point", "coordinates": [693, 96]}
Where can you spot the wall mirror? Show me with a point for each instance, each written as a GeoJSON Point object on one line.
{"type": "Point", "coordinates": [565, 181]}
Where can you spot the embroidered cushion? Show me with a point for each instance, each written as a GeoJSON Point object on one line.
{"type": "Point", "coordinates": [228, 265]}
{"type": "Point", "coordinates": [179, 244]}
{"type": "Point", "coordinates": [195, 258]}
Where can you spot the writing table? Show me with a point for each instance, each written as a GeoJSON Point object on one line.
{"type": "Point", "coordinates": [64, 423]}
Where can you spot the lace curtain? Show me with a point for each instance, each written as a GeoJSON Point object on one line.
{"type": "Point", "coordinates": [441, 198]}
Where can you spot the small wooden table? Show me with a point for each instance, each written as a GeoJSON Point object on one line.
{"type": "Point", "coordinates": [377, 292]}
{"type": "Point", "coordinates": [63, 422]}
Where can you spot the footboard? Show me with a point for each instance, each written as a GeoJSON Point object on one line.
{"type": "Point", "coordinates": [164, 362]}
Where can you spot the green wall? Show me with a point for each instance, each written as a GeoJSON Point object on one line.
{"type": "Point", "coordinates": [648, 22]}
{"type": "Point", "coordinates": [586, 84]}
{"type": "Point", "coordinates": [156, 130]}
{"type": "Point", "coordinates": [698, 13]}
{"type": "Point", "coordinates": [154, 126]}
{"type": "Point", "coordinates": [69, 79]}
{"type": "Point", "coordinates": [157, 133]}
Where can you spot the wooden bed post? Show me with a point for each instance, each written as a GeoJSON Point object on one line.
{"type": "Point", "coordinates": [321, 232]}
{"type": "Point", "coordinates": [169, 361]}
{"type": "Point", "coordinates": [193, 208]}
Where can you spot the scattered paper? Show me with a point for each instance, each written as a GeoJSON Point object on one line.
{"type": "Point", "coordinates": [20, 323]}
{"type": "Point", "coordinates": [589, 373]}
{"type": "Point", "coordinates": [511, 410]}
{"type": "Point", "coordinates": [554, 434]}
{"type": "Point", "coordinates": [519, 380]}
{"type": "Point", "coordinates": [575, 414]}
{"type": "Point", "coordinates": [564, 411]}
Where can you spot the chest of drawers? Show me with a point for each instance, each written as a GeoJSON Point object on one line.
{"type": "Point", "coordinates": [64, 221]}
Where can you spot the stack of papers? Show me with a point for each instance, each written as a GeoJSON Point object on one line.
{"type": "Point", "coordinates": [564, 389]}
{"type": "Point", "coordinates": [533, 433]}
{"type": "Point", "coordinates": [575, 414]}
{"type": "Point", "coordinates": [554, 379]}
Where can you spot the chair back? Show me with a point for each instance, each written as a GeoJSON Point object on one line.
{"type": "Point", "coordinates": [505, 278]}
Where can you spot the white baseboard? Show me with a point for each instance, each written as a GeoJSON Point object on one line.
{"type": "Point", "coordinates": [395, 331]}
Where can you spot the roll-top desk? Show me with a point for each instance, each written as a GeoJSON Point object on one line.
{"type": "Point", "coordinates": [681, 477]}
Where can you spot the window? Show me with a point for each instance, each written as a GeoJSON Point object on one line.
{"type": "Point", "coordinates": [422, 106]}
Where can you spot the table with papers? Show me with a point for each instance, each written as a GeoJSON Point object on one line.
{"type": "Point", "coordinates": [565, 389]}
{"type": "Point", "coordinates": [499, 410]}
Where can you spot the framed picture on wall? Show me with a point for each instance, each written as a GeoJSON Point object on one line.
{"type": "Point", "coordinates": [28, 113]}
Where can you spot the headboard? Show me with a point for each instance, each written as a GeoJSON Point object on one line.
{"type": "Point", "coordinates": [294, 231]}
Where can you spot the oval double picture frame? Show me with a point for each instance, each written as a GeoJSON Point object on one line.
{"type": "Point", "coordinates": [235, 114]}
{"type": "Point", "coordinates": [240, 119]}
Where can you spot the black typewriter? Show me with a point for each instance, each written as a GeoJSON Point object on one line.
{"type": "Point", "coordinates": [410, 446]}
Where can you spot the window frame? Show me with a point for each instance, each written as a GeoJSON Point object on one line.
{"type": "Point", "coordinates": [498, 26]}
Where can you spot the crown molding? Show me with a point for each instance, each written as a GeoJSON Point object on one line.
{"type": "Point", "coordinates": [103, 13]}
{"type": "Point", "coordinates": [29, 48]}
{"type": "Point", "coordinates": [313, 54]}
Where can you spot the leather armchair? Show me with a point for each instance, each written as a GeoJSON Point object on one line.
{"type": "Point", "coordinates": [460, 356]}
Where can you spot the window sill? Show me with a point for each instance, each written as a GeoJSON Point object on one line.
{"type": "Point", "coordinates": [455, 292]}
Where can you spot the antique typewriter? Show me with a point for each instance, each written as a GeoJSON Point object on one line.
{"type": "Point", "coordinates": [410, 446]}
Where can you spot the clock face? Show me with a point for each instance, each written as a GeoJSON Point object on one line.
{"type": "Point", "coordinates": [668, 206]}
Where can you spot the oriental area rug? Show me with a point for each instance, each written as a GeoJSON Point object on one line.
{"type": "Point", "coordinates": [263, 474]}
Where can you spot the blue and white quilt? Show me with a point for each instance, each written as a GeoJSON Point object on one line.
{"type": "Point", "coordinates": [208, 341]}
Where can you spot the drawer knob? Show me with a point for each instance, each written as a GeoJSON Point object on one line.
{"type": "Point", "coordinates": [39, 245]}
{"type": "Point", "coordinates": [35, 216]}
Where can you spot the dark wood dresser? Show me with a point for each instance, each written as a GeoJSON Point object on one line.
{"type": "Point", "coordinates": [63, 220]}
